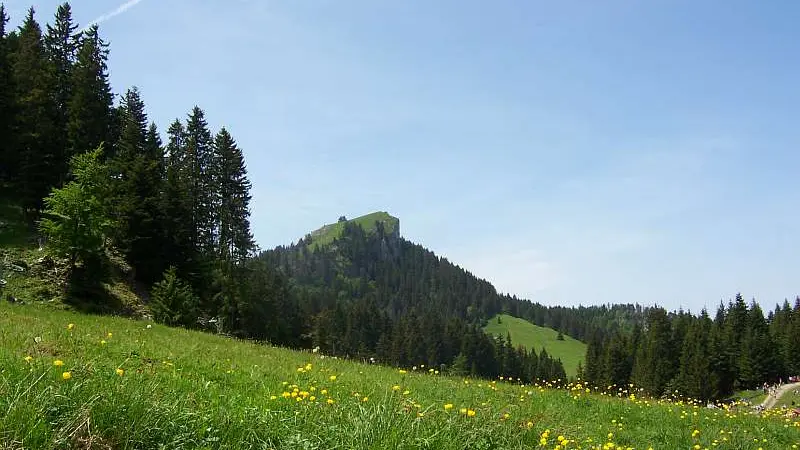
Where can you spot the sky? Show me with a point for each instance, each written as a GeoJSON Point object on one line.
{"type": "Point", "coordinates": [570, 152]}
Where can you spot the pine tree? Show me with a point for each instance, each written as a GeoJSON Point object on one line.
{"type": "Point", "coordinates": [61, 42]}
{"type": "Point", "coordinates": [90, 107]}
{"type": "Point", "coordinates": [235, 242]}
{"type": "Point", "coordinates": [35, 128]}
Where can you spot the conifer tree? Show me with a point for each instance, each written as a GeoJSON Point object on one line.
{"type": "Point", "coordinates": [198, 164]}
{"type": "Point", "coordinates": [61, 42]}
{"type": "Point", "coordinates": [235, 241]}
{"type": "Point", "coordinates": [695, 377]}
{"type": "Point", "coordinates": [176, 204]}
{"type": "Point", "coordinates": [90, 107]}
{"type": "Point", "coordinates": [137, 190]}
{"type": "Point", "coordinates": [35, 128]}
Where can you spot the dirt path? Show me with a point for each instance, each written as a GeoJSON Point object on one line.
{"type": "Point", "coordinates": [773, 399]}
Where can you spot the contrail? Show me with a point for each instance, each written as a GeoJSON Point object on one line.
{"type": "Point", "coordinates": [120, 9]}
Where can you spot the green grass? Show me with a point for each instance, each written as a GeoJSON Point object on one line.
{"type": "Point", "coordinates": [328, 233]}
{"type": "Point", "coordinates": [787, 400]}
{"type": "Point", "coordinates": [571, 351]}
{"type": "Point", "coordinates": [753, 396]}
{"type": "Point", "coordinates": [183, 389]}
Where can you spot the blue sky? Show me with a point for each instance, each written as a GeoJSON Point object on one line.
{"type": "Point", "coordinates": [567, 151]}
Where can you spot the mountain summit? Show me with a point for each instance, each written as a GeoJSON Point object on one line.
{"type": "Point", "coordinates": [369, 222]}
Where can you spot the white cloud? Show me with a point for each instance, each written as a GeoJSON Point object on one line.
{"type": "Point", "coordinates": [119, 10]}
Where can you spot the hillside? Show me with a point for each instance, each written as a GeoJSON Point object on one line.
{"type": "Point", "coordinates": [326, 234]}
{"type": "Point", "coordinates": [30, 273]}
{"type": "Point", "coordinates": [78, 381]}
{"type": "Point", "coordinates": [570, 351]}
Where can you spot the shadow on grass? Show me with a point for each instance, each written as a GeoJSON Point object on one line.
{"type": "Point", "coordinates": [88, 291]}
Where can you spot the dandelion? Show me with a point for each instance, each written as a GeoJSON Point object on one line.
{"type": "Point", "coordinates": [448, 406]}
{"type": "Point", "coordinates": [273, 397]}
{"type": "Point", "coordinates": [470, 413]}
{"type": "Point", "coordinates": [332, 378]}
{"type": "Point", "coordinates": [58, 363]}
{"type": "Point", "coordinates": [102, 342]}
{"type": "Point", "coordinates": [28, 358]}
{"type": "Point", "coordinates": [70, 326]}
{"type": "Point", "coordinates": [120, 372]}
{"type": "Point", "coordinates": [406, 392]}
{"type": "Point", "coordinates": [66, 375]}
{"type": "Point", "coordinates": [110, 335]}
{"type": "Point", "coordinates": [329, 401]}
{"type": "Point", "coordinates": [324, 392]}
{"type": "Point", "coordinates": [463, 410]}
{"type": "Point", "coordinates": [402, 372]}
{"type": "Point", "coordinates": [395, 388]}
{"type": "Point", "coordinates": [365, 399]}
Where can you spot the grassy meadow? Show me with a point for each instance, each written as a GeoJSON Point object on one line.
{"type": "Point", "coordinates": [571, 351]}
{"type": "Point", "coordinates": [328, 233]}
{"type": "Point", "coordinates": [79, 381]}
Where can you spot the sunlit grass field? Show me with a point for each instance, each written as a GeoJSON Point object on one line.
{"type": "Point", "coordinates": [533, 337]}
{"type": "Point", "coordinates": [77, 381]}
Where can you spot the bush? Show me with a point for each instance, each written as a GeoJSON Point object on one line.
{"type": "Point", "coordinates": [172, 301]}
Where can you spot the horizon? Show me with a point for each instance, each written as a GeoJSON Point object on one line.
{"type": "Point", "coordinates": [569, 154]}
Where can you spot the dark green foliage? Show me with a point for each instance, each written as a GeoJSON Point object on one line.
{"type": "Point", "coordinates": [197, 165]}
{"type": "Point", "coordinates": [8, 155]}
{"type": "Point", "coordinates": [90, 106]}
{"type": "Point", "coordinates": [232, 202]}
{"type": "Point", "coordinates": [61, 43]}
{"type": "Point", "coordinates": [76, 222]}
{"type": "Point", "coordinates": [38, 161]}
{"type": "Point", "coordinates": [376, 295]}
{"type": "Point", "coordinates": [739, 349]}
{"type": "Point", "coordinates": [137, 185]}
{"type": "Point", "coordinates": [172, 301]}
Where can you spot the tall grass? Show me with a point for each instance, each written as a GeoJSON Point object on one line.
{"type": "Point", "coordinates": [178, 389]}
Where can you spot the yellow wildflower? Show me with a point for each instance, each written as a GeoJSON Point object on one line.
{"type": "Point", "coordinates": [66, 375]}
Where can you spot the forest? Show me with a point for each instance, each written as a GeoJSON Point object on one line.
{"type": "Point", "coordinates": [98, 181]}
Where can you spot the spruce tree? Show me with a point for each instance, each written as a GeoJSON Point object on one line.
{"type": "Point", "coordinates": [235, 241]}
{"type": "Point", "coordinates": [137, 191]}
{"type": "Point", "coordinates": [61, 42]}
{"type": "Point", "coordinates": [695, 377]}
{"type": "Point", "coordinates": [35, 128]}
{"type": "Point", "coordinates": [90, 107]}
{"type": "Point", "coordinates": [198, 163]}
{"type": "Point", "coordinates": [176, 205]}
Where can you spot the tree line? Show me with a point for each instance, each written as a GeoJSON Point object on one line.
{"type": "Point", "coordinates": [697, 356]}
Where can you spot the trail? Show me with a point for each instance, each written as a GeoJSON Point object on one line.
{"type": "Point", "coordinates": [771, 400]}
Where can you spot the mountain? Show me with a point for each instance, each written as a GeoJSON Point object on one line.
{"type": "Point", "coordinates": [570, 351]}
{"type": "Point", "coordinates": [363, 291]}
